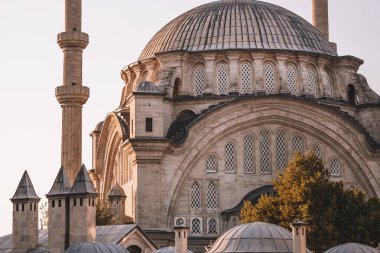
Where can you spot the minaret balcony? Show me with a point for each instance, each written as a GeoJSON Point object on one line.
{"type": "Point", "coordinates": [73, 39]}
{"type": "Point", "coordinates": [71, 95]}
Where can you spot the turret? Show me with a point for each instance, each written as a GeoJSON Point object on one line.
{"type": "Point", "coordinates": [320, 17]}
{"type": "Point", "coordinates": [82, 209]}
{"type": "Point", "coordinates": [116, 200]}
{"type": "Point", "coordinates": [299, 237]}
{"type": "Point", "coordinates": [58, 213]}
{"type": "Point", "coordinates": [25, 216]}
{"type": "Point", "coordinates": [181, 237]}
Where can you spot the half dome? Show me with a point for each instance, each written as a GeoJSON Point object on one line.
{"type": "Point", "coordinates": [238, 25]}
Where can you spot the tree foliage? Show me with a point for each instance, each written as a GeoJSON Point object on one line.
{"type": "Point", "coordinates": [335, 215]}
{"type": "Point", "coordinates": [104, 216]}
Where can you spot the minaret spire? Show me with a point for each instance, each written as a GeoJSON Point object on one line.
{"type": "Point", "coordinates": [320, 16]}
{"type": "Point", "coordinates": [72, 95]}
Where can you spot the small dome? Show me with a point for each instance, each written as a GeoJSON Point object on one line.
{"type": "Point", "coordinates": [147, 87]}
{"type": "Point", "coordinates": [352, 248]}
{"type": "Point", "coordinates": [99, 126]}
{"type": "Point", "coordinates": [95, 247]}
{"type": "Point", "coordinates": [116, 191]}
{"type": "Point", "coordinates": [255, 237]}
{"type": "Point", "coordinates": [170, 249]}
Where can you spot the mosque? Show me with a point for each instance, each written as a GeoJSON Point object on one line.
{"type": "Point", "coordinates": [216, 105]}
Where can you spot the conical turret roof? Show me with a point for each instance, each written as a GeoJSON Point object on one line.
{"type": "Point", "coordinates": [82, 184]}
{"type": "Point", "coordinates": [61, 185]}
{"type": "Point", "coordinates": [25, 189]}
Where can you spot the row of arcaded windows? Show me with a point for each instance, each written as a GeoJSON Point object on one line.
{"type": "Point", "coordinates": [281, 154]}
{"type": "Point", "coordinates": [246, 80]}
{"type": "Point", "coordinates": [196, 226]}
{"type": "Point", "coordinates": [211, 195]}
{"type": "Point", "coordinates": [23, 206]}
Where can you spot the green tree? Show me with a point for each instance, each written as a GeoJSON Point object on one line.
{"type": "Point", "coordinates": [335, 215]}
{"type": "Point", "coordinates": [104, 216]}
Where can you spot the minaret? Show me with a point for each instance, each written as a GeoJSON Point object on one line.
{"type": "Point", "coordinates": [25, 216]}
{"type": "Point", "coordinates": [299, 237]}
{"type": "Point", "coordinates": [59, 214]}
{"type": "Point", "coordinates": [72, 95]}
{"type": "Point", "coordinates": [320, 16]}
{"type": "Point", "coordinates": [82, 209]}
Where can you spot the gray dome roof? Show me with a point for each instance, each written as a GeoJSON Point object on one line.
{"type": "Point", "coordinates": [352, 248]}
{"type": "Point", "coordinates": [147, 87]}
{"type": "Point", "coordinates": [116, 191]}
{"type": "Point", "coordinates": [255, 237]}
{"type": "Point", "coordinates": [238, 25]}
{"type": "Point", "coordinates": [95, 247]}
{"type": "Point", "coordinates": [169, 249]}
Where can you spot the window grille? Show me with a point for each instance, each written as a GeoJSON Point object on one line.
{"type": "Point", "coordinates": [318, 152]}
{"type": "Point", "coordinates": [297, 145]}
{"type": "Point", "coordinates": [212, 227]}
{"type": "Point", "coordinates": [211, 164]}
{"type": "Point", "coordinates": [196, 228]}
{"type": "Point", "coordinates": [230, 157]}
{"type": "Point", "coordinates": [264, 152]}
{"type": "Point", "coordinates": [222, 79]}
{"type": "Point", "coordinates": [269, 79]}
{"type": "Point", "coordinates": [328, 84]}
{"type": "Point", "coordinates": [199, 77]}
{"type": "Point", "coordinates": [334, 168]}
{"type": "Point", "coordinates": [195, 196]}
{"type": "Point", "coordinates": [249, 155]}
{"type": "Point", "coordinates": [246, 79]}
{"type": "Point", "coordinates": [211, 196]}
{"type": "Point", "coordinates": [312, 80]}
{"type": "Point", "coordinates": [292, 80]}
{"type": "Point", "coordinates": [179, 222]}
{"type": "Point", "coordinates": [281, 153]}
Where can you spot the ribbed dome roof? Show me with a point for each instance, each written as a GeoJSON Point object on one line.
{"type": "Point", "coordinates": [238, 25]}
{"type": "Point", "coordinates": [255, 237]}
{"type": "Point", "coordinates": [352, 248]}
{"type": "Point", "coordinates": [116, 191]}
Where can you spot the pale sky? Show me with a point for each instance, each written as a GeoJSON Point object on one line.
{"type": "Point", "coordinates": [31, 68]}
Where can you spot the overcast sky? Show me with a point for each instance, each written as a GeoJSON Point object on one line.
{"type": "Point", "coordinates": [31, 68]}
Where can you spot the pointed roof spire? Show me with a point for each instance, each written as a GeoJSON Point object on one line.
{"type": "Point", "coordinates": [82, 184]}
{"type": "Point", "coordinates": [61, 185]}
{"type": "Point", "coordinates": [25, 190]}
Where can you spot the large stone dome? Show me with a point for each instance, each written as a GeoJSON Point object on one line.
{"type": "Point", "coordinates": [238, 25]}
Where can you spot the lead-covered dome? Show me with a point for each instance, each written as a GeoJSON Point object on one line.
{"type": "Point", "coordinates": [238, 25]}
{"type": "Point", "coordinates": [352, 248]}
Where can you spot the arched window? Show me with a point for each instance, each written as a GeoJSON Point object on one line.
{"type": "Point", "coordinates": [211, 196]}
{"type": "Point", "coordinates": [211, 164]}
{"type": "Point", "coordinates": [318, 152]}
{"type": "Point", "coordinates": [312, 80]}
{"type": "Point", "coordinates": [270, 78]}
{"type": "Point", "coordinates": [196, 226]}
{"type": "Point", "coordinates": [230, 157]}
{"type": "Point", "coordinates": [199, 78]}
{"type": "Point", "coordinates": [328, 83]}
{"type": "Point", "coordinates": [334, 168]}
{"type": "Point", "coordinates": [292, 80]}
{"type": "Point", "coordinates": [249, 154]}
{"type": "Point", "coordinates": [222, 79]}
{"type": "Point", "coordinates": [177, 83]}
{"type": "Point", "coordinates": [264, 152]}
{"type": "Point", "coordinates": [351, 93]}
{"type": "Point", "coordinates": [212, 227]}
{"type": "Point", "coordinates": [246, 79]}
{"type": "Point", "coordinates": [195, 195]}
{"type": "Point", "coordinates": [281, 152]}
{"type": "Point", "coordinates": [297, 144]}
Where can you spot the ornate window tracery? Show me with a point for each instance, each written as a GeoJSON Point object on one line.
{"type": "Point", "coordinates": [297, 145]}
{"type": "Point", "coordinates": [270, 78]}
{"type": "Point", "coordinates": [212, 227]}
{"type": "Point", "coordinates": [312, 80]}
{"type": "Point", "coordinates": [212, 201]}
{"type": "Point", "coordinates": [264, 152]}
{"type": "Point", "coordinates": [328, 82]}
{"type": "Point", "coordinates": [334, 168]}
{"type": "Point", "coordinates": [318, 152]}
{"type": "Point", "coordinates": [199, 77]}
{"type": "Point", "coordinates": [249, 154]}
{"type": "Point", "coordinates": [195, 195]}
{"type": "Point", "coordinates": [230, 158]}
{"type": "Point", "coordinates": [222, 79]}
{"type": "Point", "coordinates": [281, 152]}
{"type": "Point", "coordinates": [211, 164]}
{"type": "Point", "coordinates": [196, 226]}
{"type": "Point", "coordinates": [246, 79]}
{"type": "Point", "coordinates": [292, 80]}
